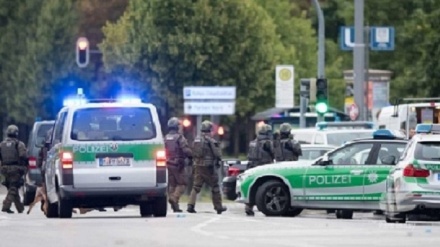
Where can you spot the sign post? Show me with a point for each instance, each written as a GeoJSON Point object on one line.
{"type": "Point", "coordinates": [284, 86]}
{"type": "Point", "coordinates": [380, 39]}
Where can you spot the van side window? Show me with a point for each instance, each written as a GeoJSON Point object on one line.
{"type": "Point", "coordinates": [303, 138]}
{"type": "Point", "coordinates": [59, 128]}
{"type": "Point", "coordinates": [319, 139]}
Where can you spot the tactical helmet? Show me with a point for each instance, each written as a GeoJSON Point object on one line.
{"type": "Point", "coordinates": [12, 130]}
{"type": "Point", "coordinates": [285, 128]}
{"type": "Point", "coordinates": [265, 129]}
{"type": "Point", "coordinates": [206, 126]}
{"type": "Point", "coordinates": [173, 123]}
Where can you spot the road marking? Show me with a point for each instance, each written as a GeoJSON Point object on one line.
{"type": "Point", "coordinates": [198, 228]}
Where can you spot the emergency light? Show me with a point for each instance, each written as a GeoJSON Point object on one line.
{"type": "Point", "coordinates": [129, 100]}
{"type": "Point", "coordinates": [386, 134]}
{"type": "Point", "coordinates": [74, 102]}
{"type": "Point", "coordinates": [344, 125]}
{"type": "Point", "coordinates": [428, 129]}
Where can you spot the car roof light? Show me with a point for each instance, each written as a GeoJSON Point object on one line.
{"type": "Point", "coordinates": [130, 100]}
{"type": "Point", "coordinates": [74, 102]}
{"type": "Point", "coordinates": [428, 128]}
{"type": "Point", "coordinates": [345, 125]}
{"type": "Point", "coordinates": [386, 134]}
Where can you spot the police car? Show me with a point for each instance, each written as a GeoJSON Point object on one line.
{"type": "Point", "coordinates": [413, 186]}
{"type": "Point", "coordinates": [349, 178]}
{"type": "Point", "coordinates": [106, 153]}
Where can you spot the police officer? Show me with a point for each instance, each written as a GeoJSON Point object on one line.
{"type": "Point", "coordinates": [288, 148]}
{"type": "Point", "coordinates": [177, 150]}
{"type": "Point", "coordinates": [14, 162]}
{"type": "Point", "coordinates": [261, 149]}
{"type": "Point", "coordinates": [261, 152]}
{"type": "Point", "coordinates": [207, 157]}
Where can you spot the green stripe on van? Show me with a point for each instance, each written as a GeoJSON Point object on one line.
{"type": "Point", "coordinates": [87, 152]}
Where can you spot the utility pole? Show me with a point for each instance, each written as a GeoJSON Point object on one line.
{"type": "Point", "coordinates": [359, 59]}
{"type": "Point", "coordinates": [321, 45]}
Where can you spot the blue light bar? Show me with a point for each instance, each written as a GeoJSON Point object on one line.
{"type": "Point", "coordinates": [129, 100]}
{"type": "Point", "coordinates": [386, 134]}
{"type": "Point", "coordinates": [428, 128]}
{"type": "Point", "coordinates": [74, 102]}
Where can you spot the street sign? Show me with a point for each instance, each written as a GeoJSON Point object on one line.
{"type": "Point", "coordinates": [211, 93]}
{"type": "Point", "coordinates": [346, 39]}
{"type": "Point", "coordinates": [209, 108]}
{"type": "Point", "coordinates": [284, 86]}
{"type": "Point", "coordinates": [353, 112]}
{"type": "Point", "coordinates": [382, 38]}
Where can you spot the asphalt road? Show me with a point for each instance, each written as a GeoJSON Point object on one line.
{"type": "Point", "coordinates": [125, 228]}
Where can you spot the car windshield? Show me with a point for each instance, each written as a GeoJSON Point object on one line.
{"type": "Point", "coordinates": [41, 133]}
{"type": "Point", "coordinates": [337, 139]}
{"type": "Point", "coordinates": [427, 151]}
{"type": "Point", "coordinates": [117, 124]}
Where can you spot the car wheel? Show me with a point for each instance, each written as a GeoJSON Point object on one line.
{"type": "Point", "coordinates": [28, 196]}
{"type": "Point", "coordinates": [293, 212]}
{"type": "Point", "coordinates": [146, 209]}
{"type": "Point", "coordinates": [344, 214]}
{"type": "Point", "coordinates": [273, 198]}
{"type": "Point", "coordinates": [64, 207]}
{"type": "Point", "coordinates": [160, 207]}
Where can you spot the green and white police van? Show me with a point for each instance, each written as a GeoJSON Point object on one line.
{"type": "Point", "coordinates": [349, 178]}
{"type": "Point", "coordinates": [413, 186]}
{"type": "Point", "coordinates": [106, 153]}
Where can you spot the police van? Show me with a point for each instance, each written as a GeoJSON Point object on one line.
{"type": "Point", "coordinates": [106, 153]}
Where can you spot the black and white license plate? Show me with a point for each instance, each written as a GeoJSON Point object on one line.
{"type": "Point", "coordinates": [114, 161]}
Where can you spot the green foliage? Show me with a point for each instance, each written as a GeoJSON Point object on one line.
{"type": "Point", "coordinates": [36, 48]}
{"type": "Point", "coordinates": [167, 44]}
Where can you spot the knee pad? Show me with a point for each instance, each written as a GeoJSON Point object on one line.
{"type": "Point", "coordinates": [215, 189]}
{"type": "Point", "coordinates": [197, 189]}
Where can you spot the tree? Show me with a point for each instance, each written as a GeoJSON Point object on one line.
{"type": "Point", "coordinates": [165, 44]}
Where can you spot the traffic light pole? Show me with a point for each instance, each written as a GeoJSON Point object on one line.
{"type": "Point", "coordinates": [321, 45]}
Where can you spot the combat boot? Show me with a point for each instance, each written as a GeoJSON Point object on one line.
{"type": "Point", "coordinates": [221, 210]}
{"type": "Point", "coordinates": [9, 211]}
{"type": "Point", "coordinates": [248, 210]}
{"type": "Point", "coordinates": [190, 209]}
{"type": "Point", "coordinates": [175, 206]}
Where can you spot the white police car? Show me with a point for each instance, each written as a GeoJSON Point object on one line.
{"type": "Point", "coordinates": [347, 179]}
{"type": "Point", "coordinates": [413, 186]}
{"type": "Point", "coordinates": [106, 153]}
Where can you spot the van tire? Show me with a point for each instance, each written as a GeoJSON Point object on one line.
{"type": "Point", "coordinates": [64, 208]}
{"type": "Point", "coordinates": [160, 207]}
{"type": "Point", "coordinates": [344, 214]}
{"type": "Point", "coordinates": [52, 209]}
{"type": "Point", "coordinates": [145, 209]}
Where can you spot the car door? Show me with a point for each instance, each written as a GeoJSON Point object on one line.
{"type": "Point", "coordinates": [376, 172]}
{"type": "Point", "coordinates": [340, 178]}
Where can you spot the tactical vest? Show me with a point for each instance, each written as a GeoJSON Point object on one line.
{"type": "Point", "coordinates": [265, 156]}
{"type": "Point", "coordinates": [278, 150]}
{"type": "Point", "coordinates": [202, 151]}
{"type": "Point", "coordinates": [172, 146]}
{"type": "Point", "coordinates": [288, 149]}
{"type": "Point", "coordinates": [9, 152]}
{"type": "Point", "coordinates": [253, 153]}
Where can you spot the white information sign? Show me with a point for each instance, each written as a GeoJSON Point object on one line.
{"type": "Point", "coordinates": [284, 86]}
{"type": "Point", "coordinates": [209, 108]}
{"type": "Point", "coordinates": [209, 93]}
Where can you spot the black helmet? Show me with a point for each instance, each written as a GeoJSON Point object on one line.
{"type": "Point", "coordinates": [206, 126]}
{"type": "Point", "coordinates": [12, 131]}
{"type": "Point", "coordinates": [173, 123]}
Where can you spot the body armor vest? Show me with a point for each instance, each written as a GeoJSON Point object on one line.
{"type": "Point", "coordinates": [9, 151]}
{"type": "Point", "coordinates": [202, 151]}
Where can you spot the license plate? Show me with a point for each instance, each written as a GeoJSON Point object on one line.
{"type": "Point", "coordinates": [113, 161]}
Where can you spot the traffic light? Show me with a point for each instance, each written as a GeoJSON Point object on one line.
{"type": "Point", "coordinates": [321, 105]}
{"type": "Point", "coordinates": [305, 88]}
{"type": "Point", "coordinates": [82, 52]}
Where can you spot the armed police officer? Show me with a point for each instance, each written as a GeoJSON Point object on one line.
{"type": "Point", "coordinates": [14, 164]}
{"type": "Point", "coordinates": [177, 151]}
{"type": "Point", "coordinates": [207, 157]}
{"type": "Point", "coordinates": [288, 148]}
{"type": "Point", "coordinates": [261, 152]}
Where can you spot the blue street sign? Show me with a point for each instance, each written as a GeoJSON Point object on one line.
{"type": "Point", "coordinates": [346, 38]}
{"type": "Point", "coordinates": [382, 38]}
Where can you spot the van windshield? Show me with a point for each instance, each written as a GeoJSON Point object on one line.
{"type": "Point", "coordinates": [337, 139]}
{"type": "Point", "coordinates": [116, 124]}
{"type": "Point", "coordinates": [41, 134]}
